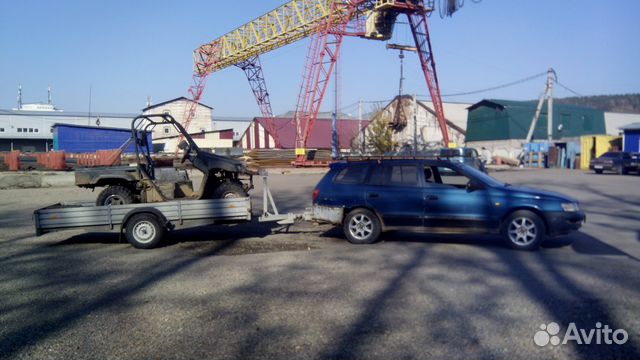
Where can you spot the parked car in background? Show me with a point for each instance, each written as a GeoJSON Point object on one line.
{"type": "Point", "coordinates": [617, 161]}
{"type": "Point", "coordinates": [463, 155]}
{"type": "Point", "coordinates": [635, 162]}
{"type": "Point", "coordinates": [368, 197]}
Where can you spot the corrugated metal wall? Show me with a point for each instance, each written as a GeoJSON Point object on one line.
{"type": "Point", "coordinates": [632, 140]}
{"type": "Point", "coordinates": [89, 139]}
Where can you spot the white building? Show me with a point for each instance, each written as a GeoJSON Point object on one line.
{"type": "Point", "coordinates": [428, 134]}
{"type": "Point", "coordinates": [178, 108]}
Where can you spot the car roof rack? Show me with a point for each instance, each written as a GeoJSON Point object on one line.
{"type": "Point", "coordinates": [390, 157]}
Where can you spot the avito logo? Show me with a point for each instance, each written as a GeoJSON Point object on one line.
{"type": "Point", "coordinates": [550, 334]}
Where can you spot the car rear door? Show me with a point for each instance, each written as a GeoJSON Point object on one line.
{"type": "Point", "coordinates": [393, 191]}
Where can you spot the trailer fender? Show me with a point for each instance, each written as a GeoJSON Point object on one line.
{"type": "Point", "coordinates": [145, 210]}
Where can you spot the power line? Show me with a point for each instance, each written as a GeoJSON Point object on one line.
{"type": "Point", "coordinates": [497, 87]}
{"type": "Point", "coordinates": [568, 89]}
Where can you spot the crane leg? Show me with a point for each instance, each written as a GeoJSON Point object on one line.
{"type": "Point", "coordinates": [418, 23]}
{"type": "Point", "coordinates": [253, 70]}
{"type": "Point", "coordinates": [321, 59]}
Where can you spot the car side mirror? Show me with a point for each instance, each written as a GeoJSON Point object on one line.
{"type": "Point", "coordinates": [473, 186]}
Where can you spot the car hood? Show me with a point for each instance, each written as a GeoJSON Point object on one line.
{"type": "Point", "coordinates": [527, 192]}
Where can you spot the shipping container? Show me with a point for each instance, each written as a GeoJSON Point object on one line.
{"type": "Point", "coordinates": [83, 139]}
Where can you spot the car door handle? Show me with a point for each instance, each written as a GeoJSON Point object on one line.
{"type": "Point", "coordinates": [431, 197]}
{"type": "Point", "coordinates": [374, 195]}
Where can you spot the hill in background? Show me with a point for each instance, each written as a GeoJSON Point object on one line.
{"type": "Point", "coordinates": [628, 103]}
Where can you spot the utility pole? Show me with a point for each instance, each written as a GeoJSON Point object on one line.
{"type": "Point", "coordinates": [551, 77]}
{"type": "Point", "coordinates": [547, 94]}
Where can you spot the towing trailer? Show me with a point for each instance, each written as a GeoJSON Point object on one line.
{"type": "Point", "coordinates": [144, 225]}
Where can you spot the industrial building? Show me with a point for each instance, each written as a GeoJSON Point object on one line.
{"type": "Point", "coordinates": [258, 136]}
{"type": "Point", "coordinates": [419, 120]}
{"type": "Point", "coordinates": [178, 108]}
{"type": "Point", "coordinates": [31, 131]}
{"type": "Point", "coordinates": [502, 125]}
{"type": "Point", "coordinates": [206, 140]}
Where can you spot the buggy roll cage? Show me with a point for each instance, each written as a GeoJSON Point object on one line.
{"type": "Point", "coordinates": [142, 125]}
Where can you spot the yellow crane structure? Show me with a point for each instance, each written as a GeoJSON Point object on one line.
{"type": "Point", "coordinates": [328, 21]}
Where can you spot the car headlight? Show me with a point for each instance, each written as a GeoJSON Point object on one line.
{"type": "Point", "coordinates": [569, 207]}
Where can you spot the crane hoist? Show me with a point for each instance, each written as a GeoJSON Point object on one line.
{"type": "Point", "coordinates": [327, 22]}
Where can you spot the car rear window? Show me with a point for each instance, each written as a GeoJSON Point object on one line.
{"type": "Point", "coordinates": [352, 174]}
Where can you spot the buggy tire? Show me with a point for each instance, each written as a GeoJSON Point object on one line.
{"type": "Point", "coordinates": [229, 190]}
{"type": "Point", "coordinates": [361, 226]}
{"type": "Point", "coordinates": [144, 231]}
{"type": "Point", "coordinates": [114, 195]}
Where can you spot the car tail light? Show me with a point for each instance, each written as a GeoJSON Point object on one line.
{"type": "Point", "coordinates": [316, 193]}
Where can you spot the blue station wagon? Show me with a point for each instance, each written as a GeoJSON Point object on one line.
{"type": "Point", "coordinates": [369, 196]}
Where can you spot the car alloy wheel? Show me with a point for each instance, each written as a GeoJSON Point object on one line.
{"type": "Point", "coordinates": [361, 227]}
{"type": "Point", "coordinates": [522, 231]}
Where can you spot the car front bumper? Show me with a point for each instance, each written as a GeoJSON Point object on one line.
{"type": "Point", "coordinates": [562, 223]}
{"type": "Point", "coordinates": [603, 167]}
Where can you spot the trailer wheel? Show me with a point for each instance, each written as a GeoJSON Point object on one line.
{"type": "Point", "coordinates": [144, 231]}
{"type": "Point", "coordinates": [115, 195]}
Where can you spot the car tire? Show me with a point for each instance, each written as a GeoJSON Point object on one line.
{"type": "Point", "coordinates": [362, 226]}
{"type": "Point", "coordinates": [114, 195]}
{"type": "Point", "coordinates": [598, 171]}
{"type": "Point", "coordinates": [144, 231]}
{"type": "Point", "coordinates": [229, 190]}
{"type": "Point", "coordinates": [523, 230]}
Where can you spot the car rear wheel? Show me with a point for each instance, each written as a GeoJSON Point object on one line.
{"type": "Point", "coordinates": [523, 230]}
{"type": "Point", "coordinates": [361, 226]}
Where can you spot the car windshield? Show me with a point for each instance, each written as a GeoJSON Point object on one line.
{"type": "Point", "coordinates": [610, 155]}
{"type": "Point", "coordinates": [477, 174]}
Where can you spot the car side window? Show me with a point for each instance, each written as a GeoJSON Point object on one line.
{"type": "Point", "coordinates": [352, 174]}
{"type": "Point", "coordinates": [452, 177]}
{"type": "Point", "coordinates": [403, 175]}
{"type": "Point", "coordinates": [394, 175]}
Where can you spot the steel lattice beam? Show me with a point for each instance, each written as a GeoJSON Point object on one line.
{"type": "Point", "coordinates": [253, 70]}
{"type": "Point", "coordinates": [418, 23]}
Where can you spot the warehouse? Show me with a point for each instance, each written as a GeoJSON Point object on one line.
{"type": "Point", "coordinates": [427, 130]}
{"type": "Point", "coordinates": [85, 139]}
{"type": "Point", "coordinates": [259, 133]}
{"type": "Point", "coordinates": [502, 125]}
{"type": "Point", "coordinates": [206, 140]}
{"type": "Point", "coordinates": [31, 131]}
{"type": "Point", "coordinates": [178, 108]}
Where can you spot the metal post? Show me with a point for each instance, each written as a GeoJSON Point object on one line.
{"type": "Point", "coordinates": [360, 132]}
{"type": "Point", "coordinates": [415, 125]}
{"type": "Point", "coordinates": [335, 152]}
{"type": "Point", "coordinates": [550, 78]}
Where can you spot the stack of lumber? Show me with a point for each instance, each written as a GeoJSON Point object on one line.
{"type": "Point", "coordinates": [275, 158]}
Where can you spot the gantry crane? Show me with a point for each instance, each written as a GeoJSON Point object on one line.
{"type": "Point", "coordinates": [327, 21]}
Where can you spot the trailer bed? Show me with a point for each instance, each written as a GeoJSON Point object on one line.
{"type": "Point", "coordinates": [65, 216]}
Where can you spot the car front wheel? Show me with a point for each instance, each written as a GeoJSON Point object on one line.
{"type": "Point", "coordinates": [361, 226]}
{"type": "Point", "coordinates": [523, 230]}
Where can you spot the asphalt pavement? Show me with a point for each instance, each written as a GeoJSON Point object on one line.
{"type": "Point", "coordinates": [241, 292]}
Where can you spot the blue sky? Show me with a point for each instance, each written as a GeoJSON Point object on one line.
{"type": "Point", "coordinates": [128, 50]}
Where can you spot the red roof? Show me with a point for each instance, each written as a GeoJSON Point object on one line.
{"type": "Point", "coordinates": [320, 137]}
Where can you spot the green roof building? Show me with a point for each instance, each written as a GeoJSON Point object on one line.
{"type": "Point", "coordinates": [491, 120]}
